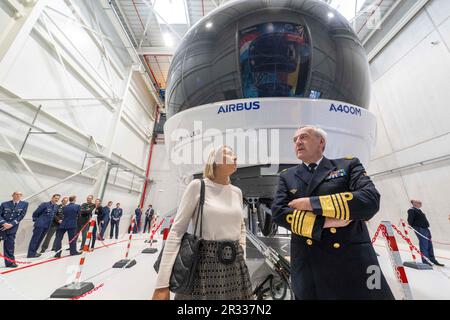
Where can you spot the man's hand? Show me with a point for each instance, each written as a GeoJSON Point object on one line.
{"type": "Point", "coordinates": [6, 226]}
{"type": "Point", "coordinates": [161, 294]}
{"type": "Point", "coordinates": [302, 204]}
{"type": "Point", "coordinates": [335, 223]}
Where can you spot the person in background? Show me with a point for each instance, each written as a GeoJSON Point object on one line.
{"type": "Point", "coordinates": [106, 218]}
{"type": "Point", "coordinates": [83, 219]}
{"type": "Point", "coordinates": [148, 218]}
{"type": "Point", "coordinates": [98, 216]}
{"type": "Point", "coordinates": [54, 225]}
{"type": "Point", "coordinates": [222, 273]}
{"type": "Point", "coordinates": [419, 222]}
{"type": "Point", "coordinates": [11, 213]}
{"type": "Point", "coordinates": [42, 218]}
{"type": "Point", "coordinates": [116, 214]}
{"type": "Point", "coordinates": [138, 214]}
{"type": "Point", "coordinates": [68, 224]}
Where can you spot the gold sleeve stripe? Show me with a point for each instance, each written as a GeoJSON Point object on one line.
{"type": "Point", "coordinates": [300, 226]}
{"type": "Point", "coordinates": [341, 205]}
{"type": "Point", "coordinates": [328, 209]}
{"type": "Point", "coordinates": [336, 205]}
{"type": "Point", "coordinates": [346, 197]}
{"type": "Point", "coordinates": [308, 224]}
{"type": "Point", "coordinates": [295, 222]}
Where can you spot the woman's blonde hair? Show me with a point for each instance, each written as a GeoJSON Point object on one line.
{"type": "Point", "coordinates": [213, 156]}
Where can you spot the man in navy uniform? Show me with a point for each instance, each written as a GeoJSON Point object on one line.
{"type": "Point", "coordinates": [54, 225]}
{"type": "Point", "coordinates": [116, 213]}
{"type": "Point", "coordinates": [418, 220]}
{"type": "Point", "coordinates": [11, 213]}
{"type": "Point", "coordinates": [325, 204]}
{"type": "Point", "coordinates": [148, 218]}
{"type": "Point", "coordinates": [70, 214]}
{"type": "Point", "coordinates": [42, 218]}
{"type": "Point", "coordinates": [137, 225]}
{"type": "Point", "coordinates": [106, 218]}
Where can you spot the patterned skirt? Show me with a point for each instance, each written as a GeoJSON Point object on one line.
{"type": "Point", "coordinates": [217, 281]}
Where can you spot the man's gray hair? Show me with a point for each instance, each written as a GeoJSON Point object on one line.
{"type": "Point", "coordinates": [318, 131]}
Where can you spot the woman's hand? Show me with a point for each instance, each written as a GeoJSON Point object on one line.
{"type": "Point", "coordinates": [161, 294]}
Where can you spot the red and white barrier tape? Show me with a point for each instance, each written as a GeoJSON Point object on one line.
{"type": "Point", "coordinates": [88, 293]}
{"type": "Point", "coordinates": [396, 260]}
{"type": "Point", "coordinates": [421, 235]}
{"type": "Point", "coordinates": [130, 237]}
{"type": "Point", "coordinates": [407, 236]}
{"type": "Point", "coordinates": [85, 250]}
{"type": "Point", "coordinates": [419, 252]}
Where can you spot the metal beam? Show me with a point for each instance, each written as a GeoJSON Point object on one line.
{"type": "Point", "coordinates": [68, 134]}
{"type": "Point", "coordinates": [156, 51]}
{"type": "Point", "coordinates": [150, 16]}
{"type": "Point", "coordinates": [14, 37]}
{"type": "Point", "coordinates": [16, 7]}
{"type": "Point", "coordinates": [21, 159]}
{"type": "Point", "coordinates": [163, 20]}
{"type": "Point", "coordinates": [63, 180]}
{"type": "Point", "coordinates": [100, 186]}
{"type": "Point", "coordinates": [115, 20]}
{"type": "Point", "coordinates": [30, 159]}
{"type": "Point", "coordinates": [186, 13]}
{"type": "Point", "coordinates": [416, 7]}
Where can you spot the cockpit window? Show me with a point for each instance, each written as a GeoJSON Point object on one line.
{"type": "Point", "coordinates": [274, 60]}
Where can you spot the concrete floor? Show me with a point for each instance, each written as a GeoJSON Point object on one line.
{"type": "Point", "coordinates": [40, 279]}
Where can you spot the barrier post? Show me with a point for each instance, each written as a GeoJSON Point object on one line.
{"type": "Point", "coordinates": [413, 264]}
{"type": "Point", "coordinates": [396, 260]}
{"type": "Point", "coordinates": [152, 231]}
{"type": "Point", "coordinates": [127, 262]}
{"type": "Point", "coordinates": [77, 288]}
{"type": "Point", "coordinates": [151, 249]}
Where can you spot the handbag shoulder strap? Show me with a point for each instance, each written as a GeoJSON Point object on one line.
{"type": "Point", "coordinates": [200, 208]}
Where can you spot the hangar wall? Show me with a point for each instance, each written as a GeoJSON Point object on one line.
{"type": "Point", "coordinates": [410, 99]}
{"type": "Point", "coordinates": [57, 52]}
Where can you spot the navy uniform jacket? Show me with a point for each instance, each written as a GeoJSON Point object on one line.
{"type": "Point", "coordinates": [138, 213]}
{"type": "Point", "coordinates": [116, 213]}
{"type": "Point", "coordinates": [44, 214]}
{"type": "Point", "coordinates": [12, 214]}
{"type": "Point", "coordinates": [71, 213]}
{"type": "Point", "coordinates": [330, 263]}
{"type": "Point", "coordinates": [416, 218]}
{"type": "Point", "coordinates": [149, 213]}
{"type": "Point", "coordinates": [106, 212]}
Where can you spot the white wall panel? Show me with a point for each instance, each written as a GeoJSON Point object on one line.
{"type": "Point", "coordinates": [411, 93]}
{"type": "Point", "coordinates": [165, 192]}
{"type": "Point", "coordinates": [439, 10]}
{"type": "Point", "coordinates": [131, 146]}
{"type": "Point", "coordinates": [405, 41]}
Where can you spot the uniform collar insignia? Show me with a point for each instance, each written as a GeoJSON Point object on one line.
{"type": "Point", "coordinates": [293, 191]}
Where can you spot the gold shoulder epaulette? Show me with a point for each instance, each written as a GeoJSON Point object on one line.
{"type": "Point", "coordinates": [284, 170]}
{"type": "Point", "coordinates": [349, 158]}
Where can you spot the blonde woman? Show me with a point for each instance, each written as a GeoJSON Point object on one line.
{"type": "Point", "coordinates": [222, 273]}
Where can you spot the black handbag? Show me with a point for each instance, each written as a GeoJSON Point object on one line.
{"type": "Point", "coordinates": [185, 264]}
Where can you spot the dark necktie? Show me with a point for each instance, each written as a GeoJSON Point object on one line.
{"type": "Point", "coordinates": [312, 167]}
